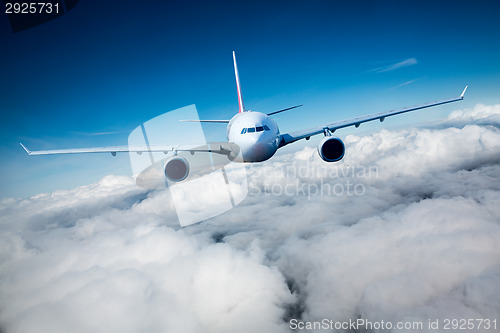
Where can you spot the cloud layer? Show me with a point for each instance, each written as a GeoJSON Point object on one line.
{"type": "Point", "coordinates": [406, 227]}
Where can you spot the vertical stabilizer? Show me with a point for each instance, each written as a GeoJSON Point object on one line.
{"type": "Point", "coordinates": [238, 86]}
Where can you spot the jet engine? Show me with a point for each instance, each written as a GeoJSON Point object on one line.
{"type": "Point", "coordinates": [331, 149]}
{"type": "Point", "coordinates": [176, 169]}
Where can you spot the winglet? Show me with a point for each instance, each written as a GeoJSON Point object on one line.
{"type": "Point", "coordinates": [463, 93]}
{"type": "Point", "coordinates": [238, 86]}
{"type": "Point", "coordinates": [29, 152]}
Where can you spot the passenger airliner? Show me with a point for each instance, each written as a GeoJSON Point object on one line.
{"type": "Point", "coordinates": [252, 137]}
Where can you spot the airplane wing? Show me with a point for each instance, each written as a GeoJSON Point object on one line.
{"type": "Point", "coordinates": [221, 148]}
{"type": "Point", "coordinates": [297, 135]}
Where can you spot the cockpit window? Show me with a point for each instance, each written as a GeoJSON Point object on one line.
{"type": "Point", "coordinates": [255, 129]}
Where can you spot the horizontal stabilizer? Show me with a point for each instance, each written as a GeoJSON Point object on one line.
{"type": "Point", "coordinates": [206, 121]}
{"type": "Point", "coordinates": [293, 107]}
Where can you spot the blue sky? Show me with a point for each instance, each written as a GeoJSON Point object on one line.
{"type": "Point", "coordinates": [91, 76]}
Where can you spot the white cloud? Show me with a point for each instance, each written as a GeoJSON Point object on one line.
{"type": "Point", "coordinates": [485, 115]}
{"type": "Point", "coordinates": [404, 84]}
{"type": "Point", "coordinates": [420, 242]}
{"type": "Point", "coordinates": [397, 65]}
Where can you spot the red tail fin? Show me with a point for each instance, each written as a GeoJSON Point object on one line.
{"type": "Point", "coordinates": [238, 86]}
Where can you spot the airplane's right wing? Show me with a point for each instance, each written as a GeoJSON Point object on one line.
{"type": "Point", "coordinates": [297, 135]}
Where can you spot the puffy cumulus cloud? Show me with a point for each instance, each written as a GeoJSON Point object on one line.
{"type": "Point", "coordinates": [405, 228]}
{"type": "Point", "coordinates": [391, 266]}
{"type": "Point", "coordinates": [482, 115]}
{"type": "Point", "coordinates": [123, 269]}
{"type": "Point", "coordinates": [477, 114]}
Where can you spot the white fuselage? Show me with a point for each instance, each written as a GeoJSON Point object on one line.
{"type": "Point", "coordinates": [256, 134]}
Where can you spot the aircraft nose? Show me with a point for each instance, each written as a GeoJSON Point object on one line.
{"type": "Point", "coordinates": [249, 144]}
{"type": "Point", "coordinates": [249, 141]}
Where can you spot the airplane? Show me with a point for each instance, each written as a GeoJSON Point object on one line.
{"type": "Point", "coordinates": [251, 137]}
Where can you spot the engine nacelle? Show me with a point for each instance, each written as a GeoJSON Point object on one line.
{"type": "Point", "coordinates": [331, 149]}
{"type": "Point", "coordinates": [176, 169]}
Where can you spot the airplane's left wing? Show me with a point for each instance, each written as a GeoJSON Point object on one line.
{"type": "Point", "coordinates": [297, 135]}
{"type": "Point", "coordinates": [212, 148]}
